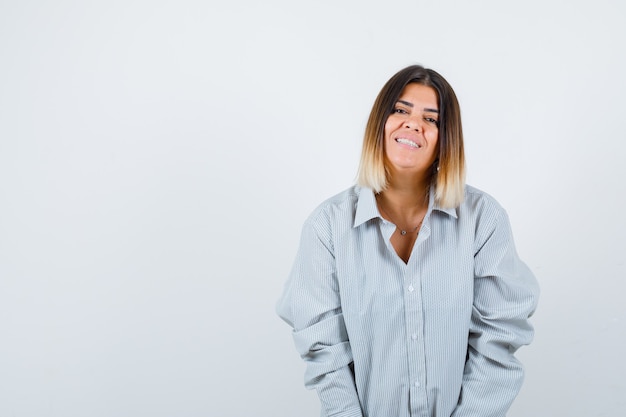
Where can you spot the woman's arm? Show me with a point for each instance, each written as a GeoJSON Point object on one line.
{"type": "Point", "coordinates": [311, 305]}
{"type": "Point", "coordinates": [505, 296]}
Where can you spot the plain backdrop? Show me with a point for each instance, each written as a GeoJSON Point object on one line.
{"type": "Point", "coordinates": [158, 159]}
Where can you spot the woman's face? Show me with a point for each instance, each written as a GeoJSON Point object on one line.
{"type": "Point", "coordinates": [412, 131]}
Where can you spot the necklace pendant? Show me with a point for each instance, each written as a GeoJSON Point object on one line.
{"type": "Point", "coordinates": [403, 232]}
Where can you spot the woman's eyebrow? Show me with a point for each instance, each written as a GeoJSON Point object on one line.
{"type": "Point", "coordinates": [409, 104]}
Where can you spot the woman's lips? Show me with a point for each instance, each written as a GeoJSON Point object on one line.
{"type": "Point", "coordinates": [408, 142]}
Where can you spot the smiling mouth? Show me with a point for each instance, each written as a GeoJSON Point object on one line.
{"type": "Point", "coordinates": [408, 142]}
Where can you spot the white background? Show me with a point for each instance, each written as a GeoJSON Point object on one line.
{"type": "Point", "coordinates": [157, 160]}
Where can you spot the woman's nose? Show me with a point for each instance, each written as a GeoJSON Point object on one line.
{"type": "Point", "coordinates": [413, 122]}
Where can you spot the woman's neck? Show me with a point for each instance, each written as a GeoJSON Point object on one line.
{"type": "Point", "coordinates": [405, 200]}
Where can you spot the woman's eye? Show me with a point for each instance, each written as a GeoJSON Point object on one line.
{"type": "Point", "coordinates": [399, 111]}
{"type": "Point", "coordinates": [431, 120]}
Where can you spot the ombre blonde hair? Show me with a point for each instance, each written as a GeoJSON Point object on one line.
{"type": "Point", "coordinates": [448, 170]}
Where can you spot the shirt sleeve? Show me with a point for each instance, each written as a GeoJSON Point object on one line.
{"type": "Point", "coordinates": [505, 296]}
{"type": "Point", "coordinates": [311, 305]}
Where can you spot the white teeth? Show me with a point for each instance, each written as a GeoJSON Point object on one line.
{"type": "Point", "coordinates": [407, 142]}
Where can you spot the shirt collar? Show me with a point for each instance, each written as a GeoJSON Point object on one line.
{"type": "Point", "coordinates": [366, 208]}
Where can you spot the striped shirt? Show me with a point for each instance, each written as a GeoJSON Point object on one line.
{"type": "Point", "coordinates": [434, 337]}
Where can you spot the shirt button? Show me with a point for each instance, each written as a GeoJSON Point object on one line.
{"type": "Point", "coordinates": [411, 288]}
{"type": "Point", "coordinates": [417, 384]}
{"type": "Point", "coordinates": [414, 336]}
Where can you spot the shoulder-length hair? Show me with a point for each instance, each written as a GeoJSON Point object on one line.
{"type": "Point", "coordinates": [448, 170]}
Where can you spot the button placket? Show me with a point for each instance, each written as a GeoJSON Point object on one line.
{"type": "Point", "coordinates": [414, 331]}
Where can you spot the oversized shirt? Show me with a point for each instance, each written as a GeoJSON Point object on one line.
{"type": "Point", "coordinates": [434, 337]}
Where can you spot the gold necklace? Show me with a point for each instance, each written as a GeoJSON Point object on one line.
{"type": "Point", "coordinates": [402, 231]}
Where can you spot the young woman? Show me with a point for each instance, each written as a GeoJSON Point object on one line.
{"type": "Point", "coordinates": [407, 296]}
